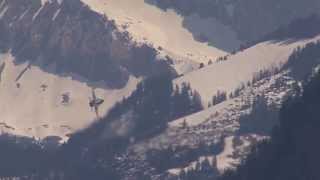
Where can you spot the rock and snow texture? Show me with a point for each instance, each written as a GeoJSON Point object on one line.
{"type": "Point", "coordinates": [192, 165]}
{"type": "Point", "coordinates": [222, 122]}
{"type": "Point", "coordinates": [38, 104]}
{"type": "Point", "coordinates": [227, 120]}
{"type": "Point", "coordinates": [240, 68]}
{"type": "Point", "coordinates": [3, 9]}
{"type": "Point", "coordinates": [224, 159]}
{"type": "Point", "coordinates": [164, 29]}
{"type": "Point", "coordinates": [43, 2]}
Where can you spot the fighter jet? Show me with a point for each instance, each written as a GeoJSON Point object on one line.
{"type": "Point", "coordinates": [95, 102]}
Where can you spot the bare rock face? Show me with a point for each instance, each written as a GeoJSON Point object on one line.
{"type": "Point", "coordinates": [75, 39]}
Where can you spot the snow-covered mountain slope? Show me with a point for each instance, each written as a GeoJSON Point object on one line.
{"type": "Point", "coordinates": [239, 69]}
{"type": "Point", "coordinates": [229, 121]}
{"type": "Point", "coordinates": [79, 40]}
{"type": "Point", "coordinates": [148, 24]}
{"type": "Point", "coordinates": [240, 120]}
{"type": "Point", "coordinates": [60, 49]}
{"type": "Point", "coordinates": [33, 104]}
{"type": "Point", "coordinates": [223, 161]}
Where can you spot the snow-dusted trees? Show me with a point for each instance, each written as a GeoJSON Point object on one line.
{"type": "Point", "coordinates": [185, 101]}
{"type": "Point", "coordinates": [293, 150]}
{"type": "Point", "coordinates": [238, 90]}
{"type": "Point", "coordinates": [203, 169]}
{"type": "Point", "coordinates": [219, 97]}
{"type": "Point", "coordinates": [262, 118]}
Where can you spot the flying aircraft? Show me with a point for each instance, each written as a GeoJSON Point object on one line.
{"type": "Point", "coordinates": [95, 102]}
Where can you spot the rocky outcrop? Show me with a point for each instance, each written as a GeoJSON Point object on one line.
{"type": "Point", "coordinates": [70, 37]}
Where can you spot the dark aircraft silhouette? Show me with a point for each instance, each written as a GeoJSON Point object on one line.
{"type": "Point", "coordinates": [95, 102]}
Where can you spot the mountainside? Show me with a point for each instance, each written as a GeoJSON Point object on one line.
{"type": "Point", "coordinates": [249, 109]}
{"type": "Point", "coordinates": [165, 30]}
{"type": "Point", "coordinates": [136, 136]}
{"type": "Point", "coordinates": [235, 71]}
{"type": "Point", "coordinates": [75, 39]}
{"type": "Point", "coordinates": [250, 19]}
{"type": "Point", "coordinates": [61, 49]}
{"type": "Point", "coordinates": [42, 104]}
{"type": "Point", "coordinates": [290, 153]}
{"type": "Point", "coordinates": [158, 89]}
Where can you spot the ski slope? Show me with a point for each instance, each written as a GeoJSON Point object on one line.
{"type": "Point", "coordinates": [240, 68]}
{"type": "Point", "coordinates": [148, 24]}
{"type": "Point", "coordinates": [32, 101]}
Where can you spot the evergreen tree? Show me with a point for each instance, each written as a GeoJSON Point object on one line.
{"type": "Point", "coordinates": [219, 97]}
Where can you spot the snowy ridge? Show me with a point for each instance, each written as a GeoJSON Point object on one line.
{"type": "Point", "coordinates": [240, 68]}
{"type": "Point", "coordinates": [224, 120]}
{"type": "Point", "coordinates": [148, 24]}
{"type": "Point", "coordinates": [275, 89]}
{"type": "Point", "coordinates": [32, 101]}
